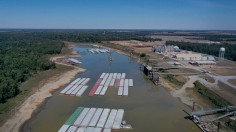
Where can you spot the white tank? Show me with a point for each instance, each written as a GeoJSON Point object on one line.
{"type": "Point", "coordinates": [222, 49]}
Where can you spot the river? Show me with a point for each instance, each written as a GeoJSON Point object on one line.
{"type": "Point", "coordinates": [148, 108]}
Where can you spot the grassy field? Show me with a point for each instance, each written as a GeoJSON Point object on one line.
{"type": "Point", "coordinates": [214, 98]}
{"type": "Point", "coordinates": [201, 102]}
{"type": "Point", "coordinates": [175, 81]}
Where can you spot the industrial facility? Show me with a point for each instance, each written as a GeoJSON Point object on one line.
{"type": "Point", "coordinates": [199, 63]}
{"type": "Point", "coordinates": [165, 48]}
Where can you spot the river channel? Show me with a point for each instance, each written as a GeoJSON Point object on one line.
{"type": "Point", "coordinates": [148, 108]}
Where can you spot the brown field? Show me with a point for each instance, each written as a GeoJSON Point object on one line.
{"type": "Point", "coordinates": [226, 63]}
{"type": "Point", "coordinates": [227, 92]}
{"type": "Point", "coordinates": [223, 71]}
{"type": "Point", "coordinates": [232, 81]}
{"type": "Point", "coordinates": [182, 70]}
{"type": "Point", "coordinates": [191, 39]}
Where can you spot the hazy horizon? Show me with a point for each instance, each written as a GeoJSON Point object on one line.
{"type": "Point", "coordinates": [119, 14]}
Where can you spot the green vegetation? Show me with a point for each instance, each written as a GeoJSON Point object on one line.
{"type": "Point", "coordinates": [21, 56]}
{"type": "Point", "coordinates": [172, 79]}
{"type": "Point", "coordinates": [219, 37]}
{"type": "Point", "coordinates": [212, 49]}
{"type": "Point", "coordinates": [142, 55]}
{"type": "Point", "coordinates": [214, 98]}
{"type": "Point", "coordinates": [90, 35]}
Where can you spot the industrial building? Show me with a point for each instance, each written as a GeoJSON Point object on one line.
{"type": "Point", "coordinates": [165, 48]}
{"type": "Point", "coordinates": [199, 63]}
{"type": "Point", "coordinates": [193, 57]}
{"type": "Point", "coordinates": [187, 57]}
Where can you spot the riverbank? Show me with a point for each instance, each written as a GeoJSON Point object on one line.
{"type": "Point", "coordinates": [181, 87]}
{"type": "Point", "coordinates": [52, 115]}
{"type": "Point", "coordinates": [44, 90]}
{"type": "Point", "coordinates": [178, 91]}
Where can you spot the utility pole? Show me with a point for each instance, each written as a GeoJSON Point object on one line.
{"type": "Point", "coordinates": [218, 127]}
{"type": "Point", "coordinates": [193, 106]}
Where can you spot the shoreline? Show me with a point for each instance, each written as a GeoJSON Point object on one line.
{"type": "Point", "coordinates": [37, 99]}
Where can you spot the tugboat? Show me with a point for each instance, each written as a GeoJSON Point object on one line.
{"type": "Point", "coordinates": [125, 125]}
{"type": "Point", "coordinates": [110, 58]}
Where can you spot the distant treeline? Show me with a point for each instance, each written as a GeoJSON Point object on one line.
{"type": "Point", "coordinates": [212, 49]}
{"type": "Point", "coordinates": [219, 37]}
{"type": "Point", "coordinates": [92, 36]}
{"type": "Point", "coordinates": [22, 55]}
{"type": "Point", "coordinates": [205, 36]}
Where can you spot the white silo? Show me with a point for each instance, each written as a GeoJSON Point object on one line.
{"type": "Point", "coordinates": [222, 53]}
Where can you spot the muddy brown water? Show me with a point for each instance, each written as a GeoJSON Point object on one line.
{"type": "Point", "coordinates": [148, 108]}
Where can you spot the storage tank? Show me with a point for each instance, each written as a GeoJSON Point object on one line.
{"type": "Point", "coordinates": [222, 49]}
{"type": "Point", "coordinates": [176, 48]}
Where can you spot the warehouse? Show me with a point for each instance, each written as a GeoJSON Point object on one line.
{"type": "Point", "coordinates": [203, 63]}
{"type": "Point", "coordinates": [185, 56]}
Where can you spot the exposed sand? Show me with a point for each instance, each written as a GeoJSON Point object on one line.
{"type": "Point", "coordinates": [31, 103]}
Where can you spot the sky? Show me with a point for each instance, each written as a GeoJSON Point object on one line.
{"type": "Point", "coordinates": [119, 14]}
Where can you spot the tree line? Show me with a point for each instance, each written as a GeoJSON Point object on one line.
{"type": "Point", "coordinates": [21, 56]}
{"type": "Point", "coordinates": [92, 36]}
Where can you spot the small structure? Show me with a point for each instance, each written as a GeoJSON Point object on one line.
{"type": "Point", "coordinates": [176, 49]}
{"type": "Point", "coordinates": [147, 69]}
{"type": "Point", "coordinates": [74, 61]}
{"type": "Point", "coordinates": [176, 63]}
{"type": "Point", "coordinates": [152, 73]}
{"type": "Point", "coordinates": [98, 50]}
{"type": "Point", "coordinates": [210, 58]}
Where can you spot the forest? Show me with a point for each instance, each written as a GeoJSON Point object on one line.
{"type": "Point", "coordinates": [211, 49]}
{"type": "Point", "coordinates": [21, 56]}
{"type": "Point", "coordinates": [93, 36]}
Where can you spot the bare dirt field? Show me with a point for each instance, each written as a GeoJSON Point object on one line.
{"type": "Point", "coordinates": [192, 39]}
{"type": "Point", "coordinates": [226, 63]}
{"type": "Point", "coordinates": [183, 70]}
{"type": "Point", "coordinates": [227, 92]}
{"type": "Point", "coordinates": [137, 43]}
{"type": "Point", "coordinates": [232, 81]}
{"type": "Point", "coordinates": [223, 71]}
